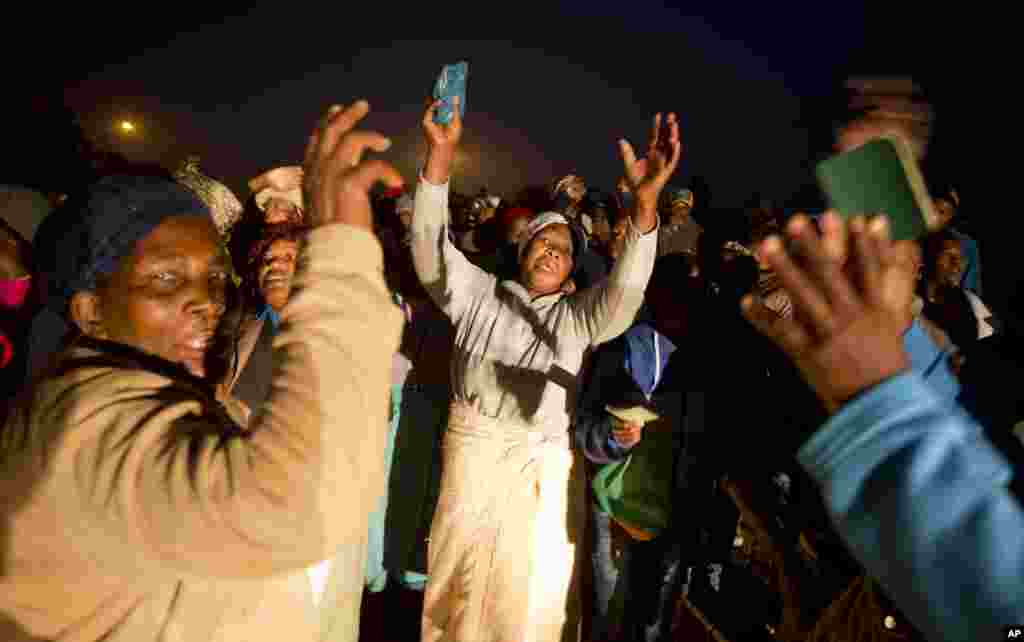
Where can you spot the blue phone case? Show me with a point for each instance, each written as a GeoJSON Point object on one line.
{"type": "Point", "coordinates": [451, 83]}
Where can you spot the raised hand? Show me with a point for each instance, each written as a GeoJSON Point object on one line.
{"type": "Point", "coordinates": [443, 135]}
{"type": "Point", "coordinates": [645, 177]}
{"type": "Point", "coordinates": [336, 179]}
{"type": "Point", "coordinates": [443, 140]}
{"type": "Point", "coordinates": [846, 332]}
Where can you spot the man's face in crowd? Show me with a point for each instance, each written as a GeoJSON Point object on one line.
{"type": "Point", "coordinates": [547, 261]}
{"type": "Point", "coordinates": [279, 210]}
{"type": "Point", "coordinates": [167, 298]}
{"type": "Point", "coordinates": [601, 230]}
{"type": "Point", "coordinates": [277, 266]}
{"type": "Point", "coordinates": [516, 229]}
{"type": "Point", "coordinates": [576, 189]}
{"type": "Point", "coordinates": [949, 263]}
{"type": "Point", "coordinates": [679, 212]}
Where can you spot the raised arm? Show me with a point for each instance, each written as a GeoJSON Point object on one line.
{"type": "Point", "coordinates": [180, 488]}
{"type": "Point", "coordinates": [913, 486]}
{"type": "Point", "coordinates": [921, 498]}
{"type": "Point", "coordinates": [606, 310]}
{"type": "Point", "coordinates": [448, 276]}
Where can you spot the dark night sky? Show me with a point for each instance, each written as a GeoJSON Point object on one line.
{"type": "Point", "coordinates": [550, 89]}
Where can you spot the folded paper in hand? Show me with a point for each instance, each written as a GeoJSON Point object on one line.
{"type": "Point", "coordinates": [633, 414]}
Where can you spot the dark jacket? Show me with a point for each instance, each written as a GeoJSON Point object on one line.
{"type": "Point", "coordinates": [674, 399]}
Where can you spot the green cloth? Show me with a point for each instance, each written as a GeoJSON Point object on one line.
{"type": "Point", "coordinates": [637, 491]}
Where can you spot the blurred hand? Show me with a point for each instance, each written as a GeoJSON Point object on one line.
{"type": "Point", "coordinates": [846, 334]}
{"type": "Point", "coordinates": [336, 179]}
{"type": "Point", "coordinates": [891, 108]}
{"type": "Point", "coordinates": [645, 177]}
{"type": "Point", "coordinates": [627, 434]}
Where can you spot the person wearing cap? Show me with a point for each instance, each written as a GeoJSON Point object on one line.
{"type": "Point", "coordinates": [680, 232]}
{"type": "Point", "coordinates": [136, 505]}
{"type": "Point", "coordinates": [278, 194]}
{"type": "Point", "coordinates": [504, 543]}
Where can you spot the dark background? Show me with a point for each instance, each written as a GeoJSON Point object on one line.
{"type": "Point", "coordinates": [552, 86]}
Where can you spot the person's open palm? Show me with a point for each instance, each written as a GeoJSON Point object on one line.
{"type": "Point", "coordinates": [647, 176]}
{"type": "Point", "coordinates": [443, 135]}
{"type": "Point", "coordinates": [846, 334]}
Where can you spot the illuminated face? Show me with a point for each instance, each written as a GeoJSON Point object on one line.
{"type": "Point", "coordinates": [547, 260]}
{"type": "Point", "coordinates": [277, 266]}
{"type": "Point", "coordinates": [167, 298]}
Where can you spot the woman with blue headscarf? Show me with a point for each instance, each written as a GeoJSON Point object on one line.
{"type": "Point", "coordinates": [136, 503]}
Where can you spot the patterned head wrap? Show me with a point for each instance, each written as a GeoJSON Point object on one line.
{"type": "Point", "coordinates": [225, 208]}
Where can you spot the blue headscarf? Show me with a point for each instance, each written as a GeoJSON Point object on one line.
{"type": "Point", "coordinates": [85, 239]}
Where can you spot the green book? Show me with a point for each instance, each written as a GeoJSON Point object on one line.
{"type": "Point", "coordinates": [880, 177]}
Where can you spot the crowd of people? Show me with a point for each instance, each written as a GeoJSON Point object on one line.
{"type": "Point", "coordinates": [572, 413]}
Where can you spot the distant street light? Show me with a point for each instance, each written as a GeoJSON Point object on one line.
{"type": "Point", "coordinates": [127, 126]}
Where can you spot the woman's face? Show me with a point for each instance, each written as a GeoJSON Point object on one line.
{"type": "Point", "coordinates": [277, 266]}
{"type": "Point", "coordinates": [167, 298]}
{"type": "Point", "coordinates": [547, 261]}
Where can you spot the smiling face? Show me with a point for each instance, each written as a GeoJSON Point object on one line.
{"type": "Point", "coordinates": [547, 261]}
{"type": "Point", "coordinates": [277, 266]}
{"type": "Point", "coordinates": [165, 299]}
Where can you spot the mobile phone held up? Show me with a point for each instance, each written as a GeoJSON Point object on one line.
{"type": "Point", "coordinates": [880, 177]}
{"type": "Point", "coordinates": [451, 83]}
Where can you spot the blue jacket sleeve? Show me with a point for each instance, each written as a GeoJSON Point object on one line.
{"type": "Point", "coordinates": [921, 498]}
{"type": "Point", "coordinates": [593, 432]}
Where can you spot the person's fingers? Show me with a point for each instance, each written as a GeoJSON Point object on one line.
{"type": "Point", "coordinates": [371, 172]}
{"type": "Point", "coordinates": [340, 124]}
{"type": "Point", "coordinates": [675, 152]}
{"type": "Point", "coordinates": [456, 121]}
{"type": "Point", "coordinates": [868, 252]}
{"type": "Point", "coordinates": [628, 155]}
{"type": "Point", "coordinates": [652, 145]}
{"type": "Point", "coordinates": [431, 113]}
{"type": "Point", "coordinates": [834, 237]}
{"type": "Point", "coordinates": [313, 146]}
{"type": "Point", "coordinates": [824, 271]}
{"type": "Point", "coordinates": [786, 333]}
{"type": "Point", "coordinates": [351, 148]}
{"type": "Point", "coordinates": [808, 297]}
